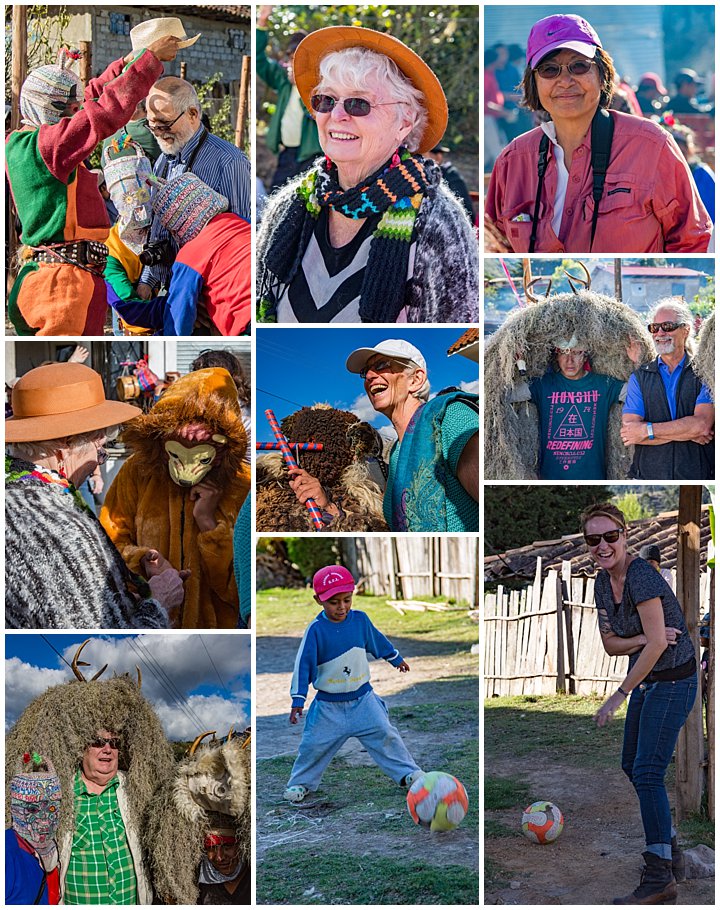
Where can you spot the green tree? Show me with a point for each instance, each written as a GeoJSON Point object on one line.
{"type": "Point", "coordinates": [518, 515]}
{"type": "Point", "coordinates": [632, 506]}
{"type": "Point", "coordinates": [703, 303]}
{"type": "Point", "coordinates": [44, 37]}
{"type": "Point", "coordinates": [446, 37]}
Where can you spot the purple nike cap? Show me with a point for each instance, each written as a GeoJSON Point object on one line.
{"type": "Point", "coordinates": [554, 32]}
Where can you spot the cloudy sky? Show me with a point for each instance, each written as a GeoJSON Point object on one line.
{"type": "Point", "coordinates": [196, 682]}
{"type": "Point", "coordinates": [306, 366]}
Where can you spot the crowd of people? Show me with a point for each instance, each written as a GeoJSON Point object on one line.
{"type": "Point", "coordinates": [161, 553]}
{"type": "Point", "coordinates": [101, 813]}
{"type": "Point", "coordinates": [161, 233]}
{"type": "Point", "coordinates": [593, 171]}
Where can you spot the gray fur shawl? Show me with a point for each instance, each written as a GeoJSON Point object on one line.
{"type": "Point", "coordinates": [445, 283]}
{"type": "Point", "coordinates": [61, 569]}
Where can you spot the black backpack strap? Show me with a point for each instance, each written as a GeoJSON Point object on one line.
{"type": "Point", "coordinates": [601, 136]}
{"type": "Point", "coordinates": [542, 167]}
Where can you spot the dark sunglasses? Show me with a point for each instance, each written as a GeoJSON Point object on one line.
{"type": "Point", "coordinates": [654, 327]}
{"type": "Point", "coordinates": [114, 742]}
{"type": "Point", "coordinates": [551, 70]}
{"type": "Point", "coordinates": [380, 366]}
{"type": "Point", "coordinates": [356, 107]}
{"type": "Point", "coordinates": [592, 540]}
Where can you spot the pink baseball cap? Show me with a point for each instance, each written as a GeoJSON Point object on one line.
{"type": "Point", "coordinates": [332, 580]}
{"type": "Point", "coordinates": [554, 32]}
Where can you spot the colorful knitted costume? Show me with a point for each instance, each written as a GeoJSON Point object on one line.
{"type": "Point", "coordinates": [445, 278]}
{"type": "Point", "coordinates": [58, 201]}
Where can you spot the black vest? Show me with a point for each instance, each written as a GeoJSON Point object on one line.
{"type": "Point", "coordinates": [674, 460]}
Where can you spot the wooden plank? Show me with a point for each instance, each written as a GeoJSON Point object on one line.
{"type": "Point", "coordinates": [513, 630]}
{"type": "Point", "coordinates": [711, 699]}
{"type": "Point", "coordinates": [690, 750]}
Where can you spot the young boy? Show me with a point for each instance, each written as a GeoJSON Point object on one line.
{"type": "Point", "coordinates": [333, 656]}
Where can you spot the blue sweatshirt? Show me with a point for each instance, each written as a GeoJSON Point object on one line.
{"type": "Point", "coordinates": [333, 657]}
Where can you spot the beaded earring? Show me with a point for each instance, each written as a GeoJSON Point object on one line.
{"type": "Point", "coordinates": [395, 158]}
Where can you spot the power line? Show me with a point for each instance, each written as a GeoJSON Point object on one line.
{"type": "Point", "coordinates": [279, 397]}
{"type": "Point", "coordinates": [176, 696]}
{"type": "Point", "coordinates": [224, 687]}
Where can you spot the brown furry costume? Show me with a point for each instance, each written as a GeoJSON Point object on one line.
{"type": "Point", "coordinates": [213, 783]}
{"type": "Point", "coordinates": [144, 509]}
{"type": "Point", "coordinates": [601, 325]}
{"type": "Point", "coordinates": [64, 719]}
{"type": "Point", "coordinates": [704, 360]}
{"type": "Point", "coordinates": [341, 468]}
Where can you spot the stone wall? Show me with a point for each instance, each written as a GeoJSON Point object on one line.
{"type": "Point", "coordinates": [219, 50]}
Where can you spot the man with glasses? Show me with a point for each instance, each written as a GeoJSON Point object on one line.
{"type": "Point", "coordinates": [573, 405]}
{"type": "Point", "coordinates": [102, 863]}
{"type": "Point", "coordinates": [174, 115]}
{"type": "Point", "coordinates": [669, 415]}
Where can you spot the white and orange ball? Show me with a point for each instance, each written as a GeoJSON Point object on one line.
{"type": "Point", "coordinates": [437, 801]}
{"type": "Point", "coordinates": [542, 822]}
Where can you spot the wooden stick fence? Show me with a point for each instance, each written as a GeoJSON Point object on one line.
{"type": "Point", "coordinates": [544, 638]}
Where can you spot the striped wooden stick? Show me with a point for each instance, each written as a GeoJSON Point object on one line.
{"type": "Point", "coordinates": [300, 446]}
{"type": "Point", "coordinates": [310, 504]}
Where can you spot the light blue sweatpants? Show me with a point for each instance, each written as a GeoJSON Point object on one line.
{"type": "Point", "coordinates": [330, 723]}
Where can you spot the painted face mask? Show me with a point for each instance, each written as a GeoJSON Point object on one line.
{"type": "Point", "coordinates": [35, 803]}
{"type": "Point", "coordinates": [188, 465]}
{"type": "Point", "coordinates": [126, 171]}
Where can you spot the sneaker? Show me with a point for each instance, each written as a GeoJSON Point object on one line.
{"type": "Point", "coordinates": [410, 779]}
{"type": "Point", "coordinates": [295, 794]}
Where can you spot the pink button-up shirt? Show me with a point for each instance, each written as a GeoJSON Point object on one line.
{"type": "Point", "coordinates": [649, 203]}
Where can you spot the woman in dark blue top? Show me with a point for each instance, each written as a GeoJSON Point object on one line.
{"type": "Point", "coordinates": [639, 615]}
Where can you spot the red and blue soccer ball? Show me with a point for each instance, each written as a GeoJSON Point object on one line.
{"type": "Point", "coordinates": [437, 801]}
{"type": "Point", "coordinates": [542, 822]}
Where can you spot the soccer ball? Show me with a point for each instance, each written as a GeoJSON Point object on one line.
{"type": "Point", "coordinates": [437, 801]}
{"type": "Point", "coordinates": [542, 823]}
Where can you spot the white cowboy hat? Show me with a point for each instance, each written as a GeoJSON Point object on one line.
{"type": "Point", "coordinates": [146, 32]}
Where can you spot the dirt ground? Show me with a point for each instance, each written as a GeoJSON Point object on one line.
{"type": "Point", "coordinates": [598, 855]}
{"type": "Point", "coordinates": [428, 682]}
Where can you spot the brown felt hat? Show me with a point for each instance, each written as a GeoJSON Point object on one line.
{"type": "Point", "coordinates": [62, 399]}
{"type": "Point", "coordinates": [311, 50]}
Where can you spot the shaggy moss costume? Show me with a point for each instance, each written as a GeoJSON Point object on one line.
{"type": "Point", "coordinates": [63, 720]}
{"type": "Point", "coordinates": [341, 468]}
{"type": "Point", "coordinates": [601, 325]}
{"type": "Point", "coordinates": [208, 787]}
{"type": "Point", "coordinates": [144, 509]}
{"type": "Point", "coordinates": [704, 360]}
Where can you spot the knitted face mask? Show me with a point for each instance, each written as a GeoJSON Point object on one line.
{"type": "Point", "coordinates": [188, 465]}
{"type": "Point", "coordinates": [126, 171]}
{"type": "Point", "coordinates": [35, 805]}
{"type": "Point", "coordinates": [46, 92]}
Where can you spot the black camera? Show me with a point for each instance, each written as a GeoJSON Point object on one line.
{"type": "Point", "coordinates": [160, 252]}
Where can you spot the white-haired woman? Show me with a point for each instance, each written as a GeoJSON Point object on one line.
{"type": "Point", "coordinates": [434, 474]}
{"type": "Point", "coordinates": [669, 415]}
{"type": "Point", "coordinates": [61, 569]}
{"type": "Point", "coordinates": [370, 234]}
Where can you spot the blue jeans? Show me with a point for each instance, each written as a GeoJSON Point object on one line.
{"type": "Point", "coordinates": [655, 715]}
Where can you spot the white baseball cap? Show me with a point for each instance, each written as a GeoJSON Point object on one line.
{"type": "Point", "coordinates": [393, 347]}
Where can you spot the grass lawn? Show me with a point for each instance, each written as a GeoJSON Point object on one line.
{"type": "Point", "coordinates": [281, 611]}
{"type": "Point", "coordinates": [355, 842]}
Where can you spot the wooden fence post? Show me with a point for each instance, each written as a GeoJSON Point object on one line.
{"type": "Point", "coordinates": [560, 615]}
{"type": "Point", "coordinates": [242, 101]}
{"type": "Point", "coordinates": [85, 62]}
{"type": "Point", "coordinates": [711, 702]}
{"type": "Point", "coordinates": [689, 778]}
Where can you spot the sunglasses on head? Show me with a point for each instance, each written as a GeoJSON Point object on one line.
{"type": "Point", "coordinates": [356, 107]}
{"type": "Point", "coordinates": [101, 741]}
{"type": "Point", "coordinates": [654, 327]}
{"type": "Point", "coordinates": [552, 70]}
{"type": "Point", "coordinates": [592, 540]}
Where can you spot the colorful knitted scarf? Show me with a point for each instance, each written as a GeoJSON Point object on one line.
{"type": "Point", "coordinates": [395, 192]}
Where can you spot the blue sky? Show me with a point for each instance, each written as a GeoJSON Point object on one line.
{"type": "Point", "coordinates": [210, 672]}
{"type": "Point", "coordinates": [307, 366]}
